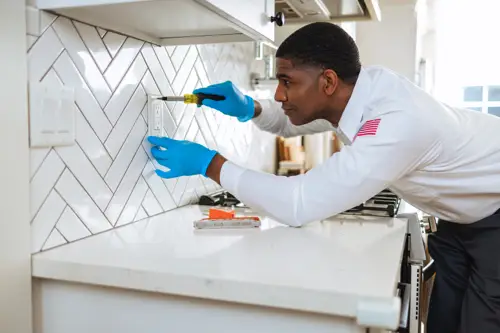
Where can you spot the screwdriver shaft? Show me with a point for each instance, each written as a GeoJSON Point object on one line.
{"type": "Point", "coordinates": [192, 98]}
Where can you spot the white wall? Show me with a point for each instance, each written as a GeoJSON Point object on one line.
{"type": "Point", "coordinates": [15, 265]}
{"type": "Point", "coordinates": [392, 41]}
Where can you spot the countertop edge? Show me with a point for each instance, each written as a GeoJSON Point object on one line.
{"type": "Point", "coordinates": [242, 292]}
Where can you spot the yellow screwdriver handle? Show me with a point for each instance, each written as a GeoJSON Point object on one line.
{"type": "Point", "coordinates": [198, 98]}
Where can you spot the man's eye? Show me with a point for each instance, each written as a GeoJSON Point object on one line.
{"type": "Point", "coordinates": [286, 82]}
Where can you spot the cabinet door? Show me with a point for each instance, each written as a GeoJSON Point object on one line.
{"type": "Point", "coordinates": [251, 16]}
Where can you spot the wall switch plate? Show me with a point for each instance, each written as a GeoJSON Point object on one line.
{"type": "Point", "coordinates": [52, 115]}
{"type": "Point", "coordinates": [156, 108]}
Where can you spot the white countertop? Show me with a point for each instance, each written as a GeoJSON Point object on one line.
{"type": "Point", "coordinates": [329, 267]}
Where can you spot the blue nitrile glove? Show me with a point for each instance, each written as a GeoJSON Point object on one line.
{"type": "Point", "coordinates": [183, 158]}
{"type": "Point", "coordinates": [236, 103]}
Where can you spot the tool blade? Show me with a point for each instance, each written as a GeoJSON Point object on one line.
{"type": "Point", "coordinates": [172, 98]}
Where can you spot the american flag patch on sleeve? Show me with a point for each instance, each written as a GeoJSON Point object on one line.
{"type": "Point", "coordinates": [368, 128]}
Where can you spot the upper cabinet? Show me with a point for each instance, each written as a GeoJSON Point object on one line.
{"type": "Point", "coordinates": [170, 22]}
{"type": "Point", "coordinates": [301, 12]}
{"type": "Point", "coordinates": [304, 11]}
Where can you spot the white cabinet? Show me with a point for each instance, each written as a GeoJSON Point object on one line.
{"type": "Point", "coordinates": [170, 22]}
{"type": "Point", "coordinates": [61, 307]}
{"type": "Point", "coordinates": [249, 14]}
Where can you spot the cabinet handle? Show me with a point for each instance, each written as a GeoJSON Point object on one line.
{"type": "Point", "coordinates": [279, 18]}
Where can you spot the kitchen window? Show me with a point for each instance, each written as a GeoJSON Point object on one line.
{"type": "Point", "coordinates": [480, 98]}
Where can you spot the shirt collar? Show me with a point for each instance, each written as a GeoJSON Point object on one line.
{"type": "Point", "coordinates": [353, 112]}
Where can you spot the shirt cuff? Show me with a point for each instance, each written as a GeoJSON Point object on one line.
{"type": "Point", "coordinates": [266, 114]}
{"type": "Point", "coordinates": [230, 175]}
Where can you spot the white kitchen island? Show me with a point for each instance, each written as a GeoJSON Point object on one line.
{"type": "Point", "coordinates": [161, 275]}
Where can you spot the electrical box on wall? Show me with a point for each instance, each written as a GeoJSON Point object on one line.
{"type": "Point", "coordinates": [52, 115]}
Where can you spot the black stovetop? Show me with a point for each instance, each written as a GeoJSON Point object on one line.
{"type": "Point", "coordinates": [385, 203]}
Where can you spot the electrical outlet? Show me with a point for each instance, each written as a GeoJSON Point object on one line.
{"type": "Point", "coordinates": [155, 116]}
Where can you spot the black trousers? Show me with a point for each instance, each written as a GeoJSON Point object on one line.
{"type": "Point", "coordinates": [466, 293]}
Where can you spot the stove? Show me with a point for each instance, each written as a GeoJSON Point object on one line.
{"type": "Point", "coordinates": [220, 198]}
{"type": "Point", "coordinates": [384, 204]}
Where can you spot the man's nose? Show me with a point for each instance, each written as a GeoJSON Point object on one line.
{"type": "Point", "coordinates": [279, 95]}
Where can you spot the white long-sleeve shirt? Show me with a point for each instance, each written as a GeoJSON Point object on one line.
{"type": "Point", "coordinates": [442, 160]}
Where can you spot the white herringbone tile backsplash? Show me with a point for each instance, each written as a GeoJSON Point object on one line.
{"type": "Point", "coordinates": [106, 179]}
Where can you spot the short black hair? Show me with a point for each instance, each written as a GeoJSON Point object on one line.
{"type": "Point", "coordinates": [325, 45]}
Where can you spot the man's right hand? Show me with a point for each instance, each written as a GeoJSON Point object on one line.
{"type": "Point", "coordinates": [235, 104]}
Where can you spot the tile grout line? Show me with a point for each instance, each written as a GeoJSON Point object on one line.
{"type": "Point", "coordinates": [177, 70]}
{"type": "Point", "coordinates": [201, 132]}
{"type": "Point", "coordinates": [161, 66]}
{"type": "Point", "coordinates": [208, 125]}
{"type": "Point", "coordinates": [50, 24]}
{"type": "Point", "coordinates": [58, 219]}
{"type": "Point", "coordinates": [92, 96]}
{"type": "Point", "coordinates": [48, 194]}
{"type": "Point", "coordinates": [187, 77]}
{"type": "Point", "coordinates": [145, 121]}
{"type": "Point", "coordinates": [130, 132]}
{"type": "Point", "coordinates": [173, 120]}
{"type": "Point", "coordinates": [129, 68]}
{"type": "Point", "coordinates": [200, 57]}
{"type": "Point", "coordinates": [133, 188]}
{"type": "Point", "coordinates": [54, 226]}
{"type": "Point", "coordinates": [123, 110]}
{"type": "Point", "coordinates": [74, 212]}
{"type": "Point", "coordinates": [106, 47]}
{"type": "Point", "coordinates": [102, 37]}
{"type": "Point", "coordinates": [84, 189]}
{"type": "Point", "coordinates": [149, 190]}
{"type": "Point", "coordinates": [84, 79]}
{"type": "Point", "coordinates": [117, 51]}
{"type": "Point", "coordinates": [119, 151]}
{"type": "Point", "coordinates": [91, 54]}
{"type": "Point", "coordinates": [59, 231]}
{"type": "Point", "coordinates": [149, 187]}
{"type": "Point", "coordinates": [128, 166]}
{"type": "Point", "coordinates": [84, 152]}
{"type": "Point", "coordinates": [53, 63]}
{"type": "Point", "coordinates": [185, 106]}
{"type": "Point", "coordinates": [140, 205]}
{"type": "Point", "coordinates": [43, 160]}
{"type": "Point", "coordinates": [36, 41]}
{"type": "Point", "coordinates": [153, 77]}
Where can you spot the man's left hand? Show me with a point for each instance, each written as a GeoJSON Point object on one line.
{"type": "Point", "coordinates": [183, 158]}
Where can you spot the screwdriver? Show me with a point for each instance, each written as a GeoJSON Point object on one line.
{"type": "Point", "coordinates": [192, 98]}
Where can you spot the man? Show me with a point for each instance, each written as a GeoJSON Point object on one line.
{"type": "Point", "coordinates": [443, 160]}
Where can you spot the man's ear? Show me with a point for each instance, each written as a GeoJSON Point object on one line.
{"type": "Point", "coordinates": [331, 81]}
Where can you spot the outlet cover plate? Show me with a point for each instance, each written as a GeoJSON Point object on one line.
{"type": "Point", "coordinates": [156, 109]}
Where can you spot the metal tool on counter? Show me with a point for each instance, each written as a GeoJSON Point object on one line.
{"type": "Point", "coordinates": [192, 98]}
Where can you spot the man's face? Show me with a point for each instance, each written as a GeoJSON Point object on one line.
{"type": "Point", "coordinates": [301, 90]}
